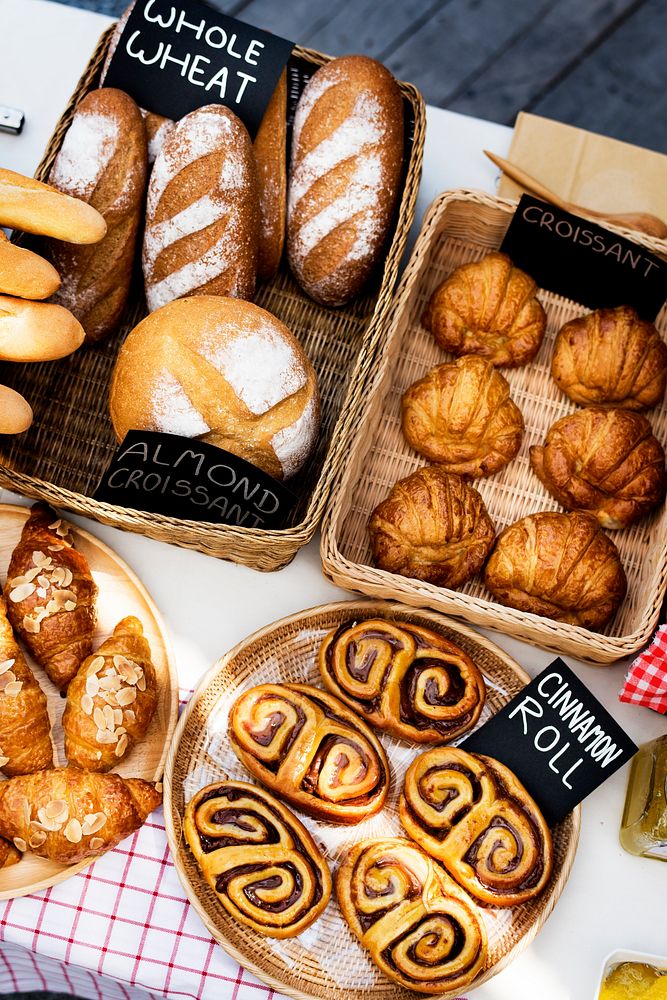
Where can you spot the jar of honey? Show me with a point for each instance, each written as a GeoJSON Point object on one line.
{"type": "Point", "coordinates": [644, 823]}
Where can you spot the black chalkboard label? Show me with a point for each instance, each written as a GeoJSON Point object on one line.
{"type": "Point", "coordinates": [557, 738]}
{"type": "Point", "coordinates": [184, 478]}
{"type": "Point", "coordinates": [175, 57]}
{"type": "Point", "coordinates": [585, 262]}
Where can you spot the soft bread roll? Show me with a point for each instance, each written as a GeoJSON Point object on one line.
{"type": "Point", "coordinates": [38, 208]}
{"type": "Point", "coordinates": [347, 154]}
{"type": "Point", "coordinates": [24, 273]}
{"type": "Point", "coordinates": [36, 331]}
{"type": "Point", "coordinates": [224, 371]}
{"type": "Point", "coordinates": [270, 156]}
{"type": "Point", "coordinates": [15, 412]}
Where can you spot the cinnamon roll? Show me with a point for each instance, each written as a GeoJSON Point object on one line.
{"type": "Point", "coordinates": [419, 927]}
{"type": "Point", "coordinates": [404, 679]}
{"type": "Point", "coordinates": [472, 814]}
{"type": "Point", "coordinates": [310, 749]}
{"type": "Point", "coordinates": [260, 861]}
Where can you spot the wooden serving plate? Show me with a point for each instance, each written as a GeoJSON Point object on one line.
{"type": "Point", "coordinates": [121, 593]}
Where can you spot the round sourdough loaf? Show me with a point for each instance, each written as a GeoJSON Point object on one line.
{"type": "Point", "coordinates": [223, 371]}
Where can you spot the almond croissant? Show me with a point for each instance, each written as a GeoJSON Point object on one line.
{"type": "Point", "coordinates": [111, 701]}
{"type": "Point", "coordinates": [51, 595]}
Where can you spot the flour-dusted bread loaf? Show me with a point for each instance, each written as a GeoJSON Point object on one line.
{"type": "Point", "coordinates": [224, 371]}
{"type": "Point", "coordinates": [202, 214]}
{"type": "Point", "coordinates": [103, 161]}
{"type": "Point", "coordinates": [345, 173]}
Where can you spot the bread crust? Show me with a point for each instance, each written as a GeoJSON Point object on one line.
{"type": "Point", "coordinates": [25, 274]}
{"type": "Point", "coordinates": [37, 331]}
{"type": "Point", "coordinates": [270, 149]}
{"type": "Point", "coordinates": [33, 207]}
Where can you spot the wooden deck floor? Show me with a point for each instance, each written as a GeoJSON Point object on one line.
{"type": "Point", "coordinates": [599, 64]}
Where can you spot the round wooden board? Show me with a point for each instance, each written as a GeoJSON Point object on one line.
{"type": "Point", "coordinates": [326, 961]}
{"type": "Point", "coordinates": [120, 594]}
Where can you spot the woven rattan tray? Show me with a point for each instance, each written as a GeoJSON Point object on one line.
{"type": "Point", "coordinates": [61, 459]}
{"type": "Point", "coordinates": [461, 226]}
{"type": "Point", "coordinates": [326, 961]}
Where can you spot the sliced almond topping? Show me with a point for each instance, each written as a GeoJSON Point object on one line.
{"type": "Point", "coordinates": [26, 578]}
{"type": "Point", "coordinates": [20, 844]}
{"type": "Point", "coordinates": [56, 548]}
{"type": "Point", "coordinates": [57, 809]}
{"type": "Point", "coordinates": [3, 761]}
{"type": "Point", "coordinates": [121, 746]}
{"type": "Point", "coordinates": [13, 688]}
{"type": "Point", "coordinates": [99, 719]}
{"type": "Point", "coordinates": [30, 625]}
{"type": "Point", "coordinates": [120, 730]}
{"type": "Point", "coordinates": [92, 685]}
{"type": "Point", "coordinates": [70, 605]}
{"type": "Point", "coordinates": [104, 736]}
{"type": "Point", "coordinates": [141, 683]}
{"type": "Point", "coordinates": [41, 592]}
{"type": "Point", "coordinates": [126, 696]}
{"type": "Point", "coordinates": [118, 716]}
{"type": "Point", "coordinates": [36, 826]}
{"type": "Point", "coordinates": [67, 576]}
{"type": "Point", "coordinates": [56, 524]}
{"type": "Point", "coordinates": [96, 665]}
{"type": "Point", "coordinates": [94, 822]}
{"type": "Point", "coordinates": [63, 529]}
{"type": "Point", "coordinates": [129, 715]}
{"type": "Point", "coordinates": [42, 561]}
{"type": "Point", "coordinates": [6, 679]}
{"type": "Point", "coordinates": [44, 581]}
{"type": "Point", "coordinates": [109, 697]}
{"type": "Point", "coordinates": [87, 704]}
{"type": "Point", "coordinates": [96, 843]}
{"type": "Point", "coordinates": [47, 824]}
{"type": "Point", "coordinates": [37, 839]}
{"type": "Point", "coordinates": [109, 718]}
{"type": "Point", "coordinates": [6, 664]}
{"type": "Point", "coordinates": [73, 831]}
{"type": "Point", "coordinates": [110, 683]}
{"type": "Point", "coordinates": [20, 593]}
{"type": "Point", "coordinates": [26, 812]}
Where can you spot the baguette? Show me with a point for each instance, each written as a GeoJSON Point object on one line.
{"type": "Point", "coordinates": [36, 331]}
{"type": "Point", "coordinates": [38, 208]}
{"type": "Point", "coordinates": [270, 155]}
{"type": "Point", "coordinates": [25, 274]}
{"type": "Point", "coordinates": [15, 412]}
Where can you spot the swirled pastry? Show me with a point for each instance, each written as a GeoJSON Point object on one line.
{"type": "Point", "coordinates": [404, 679]}
{"type": "Point", "coordinates": [461, 416]}
{"type": "Point", "coordinates": [488, 308]}
{"type": "Point", "coordinates": [562, 566]}
{"type": "Point", "coordinates": [261, 862]}
{"type": "Point", "coordinates": [433, 527]}
{"type": "Point", "coordinates": [474, 815]}
{"type": "Point", "coordinates": [605, 461]}
{"type": "Point", "coordinates": [310, 749]}
{"type": "Point", "coordinates": [419, 927]}
{"type": "Point", "coordinates": [611, 357]}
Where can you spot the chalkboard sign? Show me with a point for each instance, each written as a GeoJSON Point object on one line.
{"type": "Point", "coordinates": [175, 57]}
{"type": "Point", "coordinates": [557, 738]}
{"type": "Point", "coordinates": [582, 261]}
{"type": "Point", "coordinates": [184, 478]}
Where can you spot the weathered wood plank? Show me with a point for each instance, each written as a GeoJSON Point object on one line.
{"type": "Point", "coordinates": [374, 28]}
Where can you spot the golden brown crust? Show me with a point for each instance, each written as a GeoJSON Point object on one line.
{"type": "Point", "coordinates": [461, 416]}
{"type": "Point", "coordinates": [39, 208]}
{"type": "Point", "coordinates": [407, 680]}
{"type": "Point", "coordinates": [473, 815]}
{"type": "Point", "coordinates": [24, 273]}
{"type": "Point", "coordinates": [51, 595]}
{"type": "Point", "coordinates": [262, 864]}
{"type": "Point", "coordinates": [111, 701]}
{"type": "Point", "coordinates": [488, 308]}
{"type": "Point", "coordinates": [271, 157]}
{"type": "Point", "coordinates": [604, 461]}
{"type": "Point", "coordinates": [8, 854]}
{"type": "Point", "coordinates": [419, 927]}
{"type": "Point", "coordinates": [15, 412]}
{"type": "Point", "coordinates": [611, 358]}
{"type": "Point", "coordinates": [66, 815]}
{"type": "Point", "coordinates": [432, 527]}
{"type": "Point", "coordinates": [310, 749]}
{"type": "Point", "coordinates": [37, 331]}
{"type": "Point", "coordinates": [25, 729]}
{"type": "Point", "coordinates": [561, 566]}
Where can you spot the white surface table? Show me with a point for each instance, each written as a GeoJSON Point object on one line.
{"type": "Point", "coordinates": [612, 900]}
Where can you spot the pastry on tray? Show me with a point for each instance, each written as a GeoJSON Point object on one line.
{"type": "Point", "coordinates": [473, 815]}
{"type": "Point", "coordinates": [461, 416]}
{"type": "Point", "coordinates": [404, 679]}
{"type": "Point", "coordinates": [262, 864]}
{"type": "Point", "coordinates": [311, 750]}
{"type": "Point", "coordinates": [420, 928]}
{"type": "Point", "coordinates": [489, 308]}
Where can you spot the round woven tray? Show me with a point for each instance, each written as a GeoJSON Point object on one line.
{"type": "Point", "coordinates": [326, 961]}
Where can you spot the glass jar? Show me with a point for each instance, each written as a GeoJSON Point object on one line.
{"type": "Point", "coordinates": [644, 823]}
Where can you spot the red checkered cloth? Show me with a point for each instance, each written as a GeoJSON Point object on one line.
{"type": "Point", "coordinates": [646, 681]}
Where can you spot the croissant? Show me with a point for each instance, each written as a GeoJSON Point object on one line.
{"type": "Point", "coordinates": [51, 595]}
{"type": "Point", "coordinates": [605, 461]}
{"type": "Point", "coordinates": [461, 416]}
{"type": "Point", "coordinates": [8, 854]}
{"type": "Point", "coordinates": [432, 527]}
{"type": "Point", "coordinates": [25, 729]}
{"type": "Point", "coordinates": [66, 815]}
{"type": "Point", "coordinates": [561, 566]}
{"type": "Point", "coordinates": [488, 308]}
{"type": "Point", "coordinates": [111, 701]}
{"type": "Point", "coordinates": [611, 357]}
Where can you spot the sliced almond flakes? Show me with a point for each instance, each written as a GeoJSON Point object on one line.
{"type": "Point", "coordinates": [20, 593]}
{"type": "Point", "coordinates": [126, 696]}
{"type": "Point", "coordinates": [73, 831]}
{"type": "Point", "coordinates": [121, 746]}
{"type": "Point", "coordinates": [87, 704]}
{"type": "Point", "coordinates": [20, 844]}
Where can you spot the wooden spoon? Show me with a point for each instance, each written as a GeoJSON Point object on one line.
{"type": "Point", "coordinates": [644, 222]}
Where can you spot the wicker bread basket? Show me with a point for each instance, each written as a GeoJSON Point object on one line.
{"type": "Point", "coordinates": [61, 459]}
{"type": "Point", "coordinates": [461, 226]}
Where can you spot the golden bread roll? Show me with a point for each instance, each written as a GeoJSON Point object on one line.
{"type": "Point", "coordinates": [432, 527]}
{"type": "Point", "coordinates": [224, 371]}
{"type": "Point", "coordinates": [345, 173]}
{"type": "Point", "coordinates": [561, 566]}
{"type": "Point", "coordinates": [611, 357]}
{"type": "Point", "coordinates": [202, 212]}
{"type": "Point", "coordinates": [37, 331]}
{"type": "Point", "coordinates": [604, 461]}
{"type": "Point", "coordinates": [15, 412]}
{"type": "Point", "coordinates": [271, 159]}
{"type": "Point", "coordinates": [25, 274]}
{"type": "Point", "coordinates": [103, 161]}
{"type": "Point", "coordinates": [38, 208]}
{"type": "Point", "coordinates": [488, 308]}
{"type": "Point", "coordinates": [461, 416]}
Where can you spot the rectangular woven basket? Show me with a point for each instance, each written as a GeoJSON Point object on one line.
{"type": "Point", "coordinates": [62, 458]}
{"type": "Point", "coordinates": [462, 226]}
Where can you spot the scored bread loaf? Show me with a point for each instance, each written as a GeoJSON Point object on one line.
{"type": "Point", "coordinates": [202, 214]}
{"type": "Point", "coordinates": [103, 161]}
{"type": "Point", "coordinates": [24, 273]}
{"type": "Point", "coordinates": [38, 208]}
{"type": "Point", "coordinates": [36, 331]}
{"type": "Point", "coordinates": [271, 159]}
{"type": "Point", "coordinates": [347, 154]}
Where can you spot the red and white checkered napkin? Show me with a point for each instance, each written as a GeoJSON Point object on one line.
{"type": "Point", "coordinates": [646, 681]}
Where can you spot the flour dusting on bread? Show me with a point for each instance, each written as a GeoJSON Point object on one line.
{"type": "Point", "coordinates": [89, 145]}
